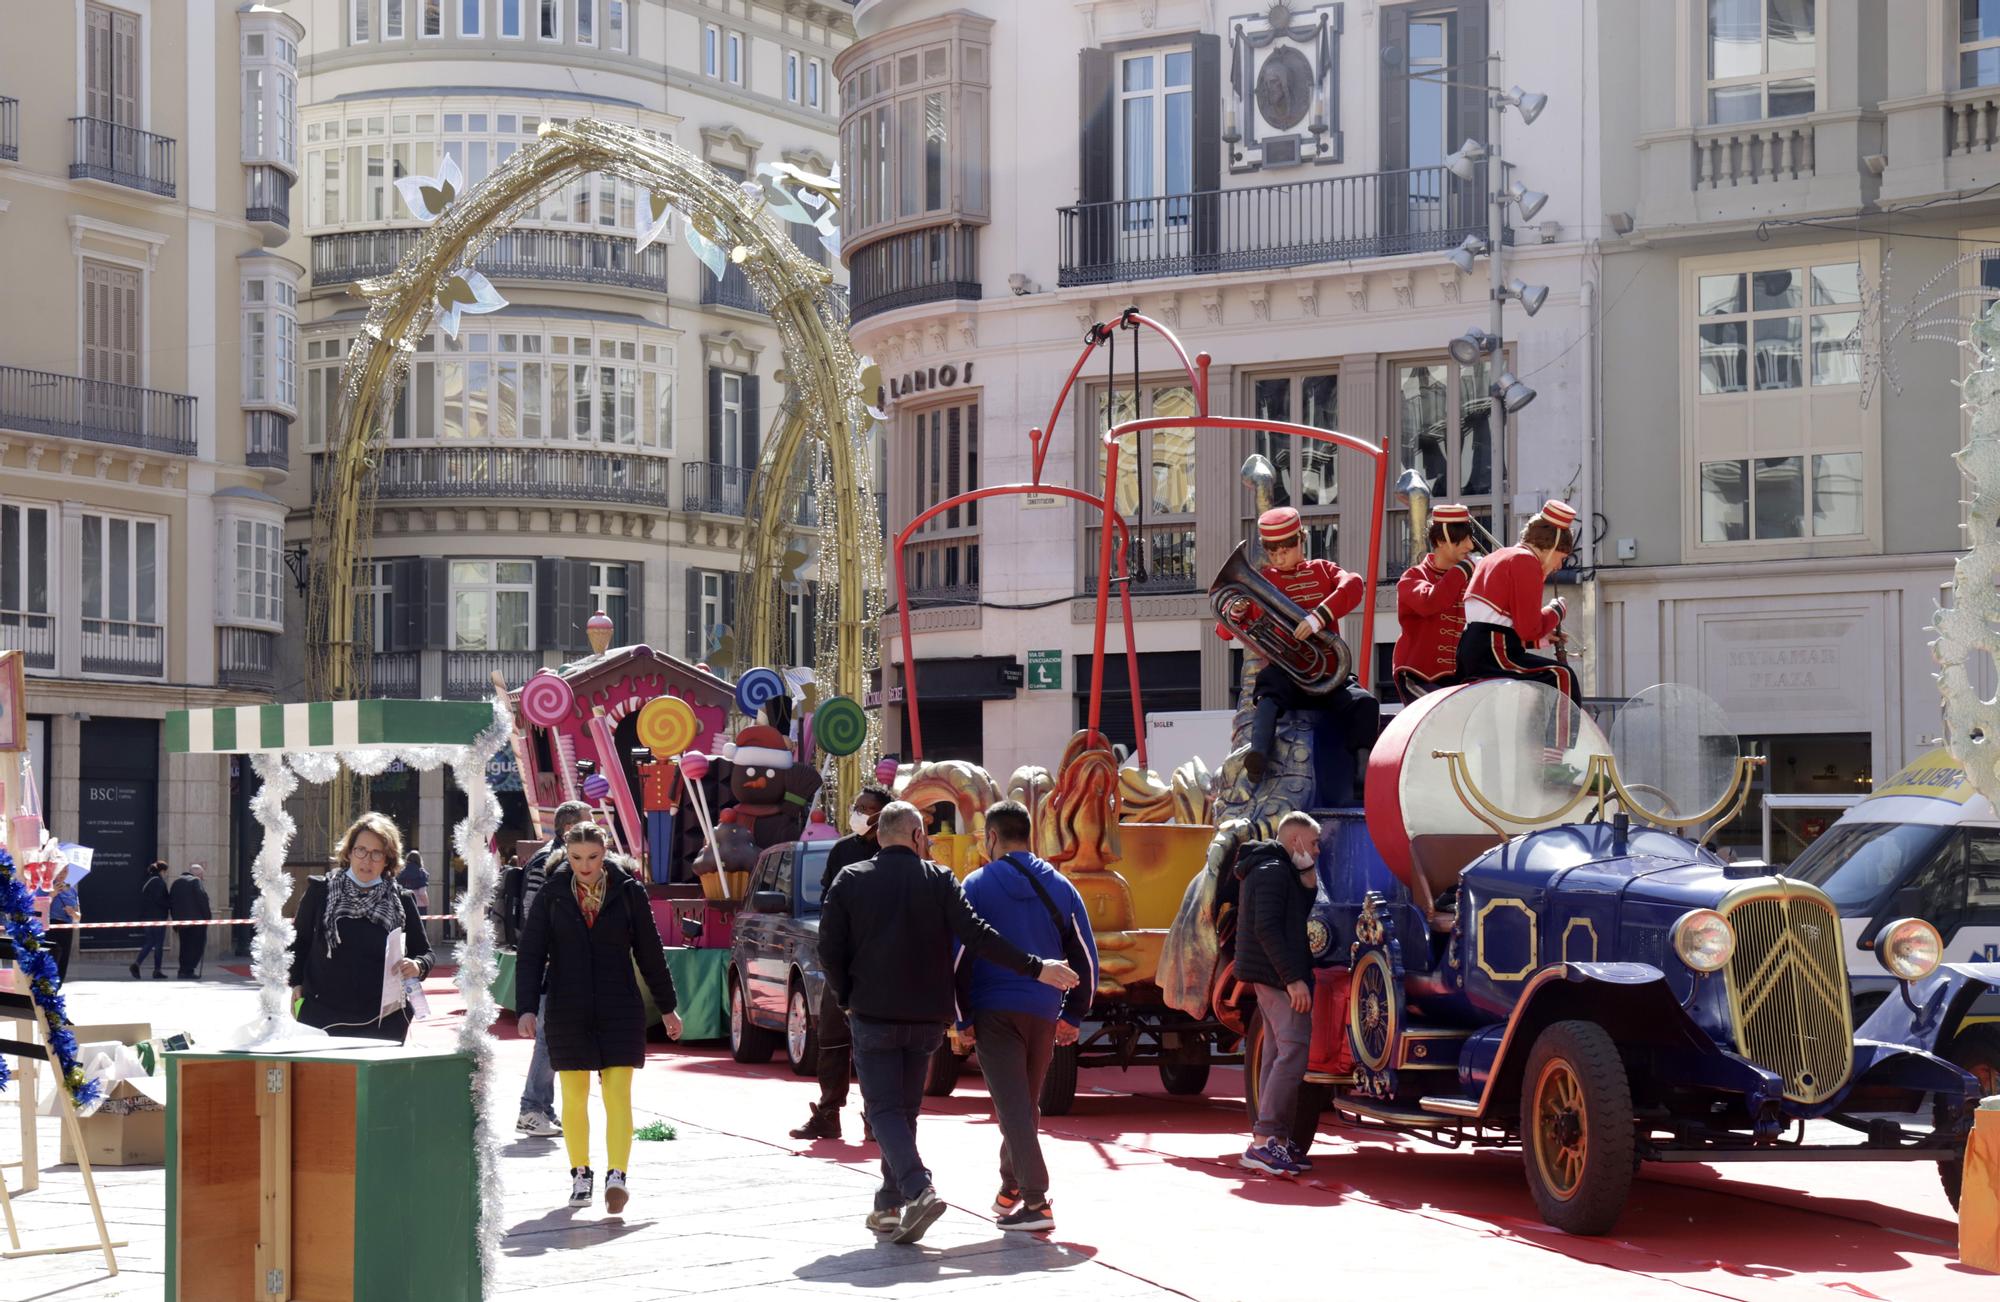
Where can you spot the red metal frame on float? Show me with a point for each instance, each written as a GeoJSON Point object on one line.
{"type": "Point", "coordinates": [1039, 440]}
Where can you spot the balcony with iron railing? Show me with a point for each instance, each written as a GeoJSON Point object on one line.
{"type": "Point", "coordinates": [122, 155]}
{"type": "Point", "coordinates": [714, 488]}
{"type": "Point", "coordinates": [10, 128]}
{"type": "Point", "coordinates": [732, 290]}
{"type": "Point", "coordinates": [468, 675]}
{"type": "Point", "coordinates": [1161, 561]}
{"type": "Point", "coordinates": [40, 402]}
{"type": "Point", "coordinates": [1328, 219]}
{"type": "Point", "coordinates": [395, 675]}
{"type": "Point", "coordinates": [533, 473]}
{"type": "Point", "coordinates": [926, 266]}
{"type": "Point", "coordinates": [943, 571]}
{"type": "Point", "coordinates": [267, 196]}
{"type": "Point", "coordinates": [568, 257]}
{"type": "Point", "coordinates": [31, 632]}
{"type": "Point", "coordinates": [124, 647]}
{"type": "Point", "coordinates": [267, 440]}
{"type": "Point", "coordinates": [246, 658]}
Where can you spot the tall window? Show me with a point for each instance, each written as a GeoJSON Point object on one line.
{"type": "Point", "coordinates": [1308, 471]}
{"type": "Point", "coordinates": [471, 17]}
{"type": "Point", "coordinates": [586, 22]}
{"type": "Point", "coordinates": [913, 138]}
{"type": "Point", "coordinates": [434, 17]}
{"type": "Point", "coordinates": [616, 36]}
{"type": "Point", "coordinates": [548, 24]}
{"type": "Point", "coordinates": [1786, 327]}
{"type": "Point", "coordinates": [1763, 59]}
{"type": "Point", "coordinates": [710, 604]}
{"type": "Point", "coordinates": [510, 18]}
{"type": "Point", "coordinates": [372, 605]}
{"type": "Point", "coordinates": [944, 554]}
{"type": "Point", "coordinates": [1156, 124]}
{"type": "Point", "coordinates": [26, 537]}
{"type": "Point", "coordinates": [112, 316]}
{"type": "Point", "coordinates": [270, 343]}
{"type": "Point", "coordinates": [731, 420]}
{"type": "Point", "coordinates": [1445, 426]}
{"type": "Point", "coordinates": [1154, 492]}
{"type": "Point", "coordinates": [815, 76]}
{"type": "Point", "coordinates": [793, 81]}
{"type": "Point", "coordinates": [1978, 43]}
{"type": "Point", "coordinates": [711, 50]}
{"type": "Point", "coordinates": [492, 605]}
{"type": "Point", "coordinates": [120, 571]}
{"type": "Point", "coordinates": [111, 66]}
{"type": "Point", "coordinates": [722, 53]}
{"type": "Point", "coordinates": [270, 98]}
{"type": "Point", "coordinates": [609, 593]}
{"type": "Point", "coordinates": [357, 21]}
{"type": "Point", "coordinates": [732, 58]}
{"type": "Point", "coordinates": [392, 19]}
{"type": "Point", "coordinates": [258, 597]}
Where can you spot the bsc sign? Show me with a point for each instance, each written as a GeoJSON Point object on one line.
{"type": "Point", "coordinates": [1045, 671]}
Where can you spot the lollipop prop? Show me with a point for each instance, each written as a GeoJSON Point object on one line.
{"type": "Point", "coordinates": [757, 688]}
{"type": "Point", "coordinates": [667, 727]}
{"type": "Point", "coordinates": [610, 767]}
{"type": "Point", "coordinates": [839, 726]}
{"type": "Point", "coordinates": [694, 767]}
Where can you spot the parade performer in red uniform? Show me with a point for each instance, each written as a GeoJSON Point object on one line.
{"type": "Point", "coordinates": [1430, 606]}
{"type": "Point", "coordinates": [1504, 614]}
{"type": "Point", "coordinates": [1325, 592]}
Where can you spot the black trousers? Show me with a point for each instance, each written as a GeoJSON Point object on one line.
{"type": "Point", "coordinates": [836, 1051]}
{"type": "Point", "coordinates": [194, 943]}
{"type": "Point", "coordinates": [1354, 715]}
{"type": "Point", "coordinates": [1014, 1053]}
{"type": "Point", "coordinates": [1496, 651]}
{"type": "Point", "coordinates": [396, 1026]}
{"type": "Point", "coordinates": [1411, 685]}
{"type": "Point", "coordinates": [63, 942]}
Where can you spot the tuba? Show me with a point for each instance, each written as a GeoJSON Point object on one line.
{"type": "Point", "coordinates": [1254, 609]}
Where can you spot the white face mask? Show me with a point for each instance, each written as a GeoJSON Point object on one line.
{"type": "Point", "coordinates": [1302, 861]}
{"type": "Point", "coordinates": [857, 823]}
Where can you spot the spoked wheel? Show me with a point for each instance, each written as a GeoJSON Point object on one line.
{"type": "Point", "coordinates": [801, 1033]}
{"type": "Point", "coordinates": [1977, 1049]}
{"type": "Point", "coordinates": [1374, 1010]}
{"type": "Point", "coordinates": [1576, 1128]}
{"type": "Point", "coordinates": [748, 1042]}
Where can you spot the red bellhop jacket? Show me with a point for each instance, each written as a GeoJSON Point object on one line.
{"type": "Point", "coordinates": [1430, 608]}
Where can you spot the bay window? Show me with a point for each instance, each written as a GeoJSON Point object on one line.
{"type": "Point", "coordinates": [1978, 43]}
{"type": "Point", "coordinates": [270, 342]}
{"type": "Point", "coordinates": [27, 541]}
{"type": "Point", "coordinates": [913, 138]}
{"type": "Point", "coordinates": [255, 596]}
{"type": "Point", "coordinates": [1780, 447]}
{"type": "Point", "coordinates": [1762, 59]}
{"type": "Point", "coordinates": [492, 605]}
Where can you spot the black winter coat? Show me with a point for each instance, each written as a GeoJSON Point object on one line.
{"type": "Point", "coordinates": [187, 899]}
{"type": "Point", "coordinates": [1271, 914]}
{"type": "Point", "coordinates": [596, 1018]}
{"type": "Point", "coordinates": [153, 899]}
{"type": "Point", "coordinates": [345, 989]}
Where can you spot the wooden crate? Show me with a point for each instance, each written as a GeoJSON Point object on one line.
{"type": "Point", "coordinates": [335, 1174]}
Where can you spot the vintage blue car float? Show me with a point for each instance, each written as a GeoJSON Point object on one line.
{"type": "Point", "coordinates": [1528, 943]}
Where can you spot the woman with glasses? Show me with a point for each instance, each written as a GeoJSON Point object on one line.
{"type": "Point", "coordinates": [345, 925]}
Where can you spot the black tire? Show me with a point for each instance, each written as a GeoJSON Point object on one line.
{"type": "Point", "coordinates": [943, 1076]}
{"type": "Point", "coordinates": [1576, 1128]}
{"type": "Point", "coordinates": [1059, 1086]}
{"type": "Point", "coordinates": [801, 1032]}
{"type": "Point", "coordinates": [1977, 1049]}
{"type": "Point", "coordinates": [1184, 1068]}
{"type": "Point", "coordinates": [1253, 1063]}
{"type": "Point", "coordinates": [748, 1042]}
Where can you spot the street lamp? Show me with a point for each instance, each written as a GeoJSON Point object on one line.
{"type": "Point", "coordinates": [1510, 393]}
{"type": "Point", "coordinates": [1474, 344]}
{"type": "Point", "coordinates": [1470, 251]}
{"type": "Point", "coordinates": [1529, 201]}
{"type": "Point", "coordinates": [1529, 103]}
{"type": "Point", "coordinates": [1528, 296]}
{"type": "Point", "coordinates": [1464, 161]}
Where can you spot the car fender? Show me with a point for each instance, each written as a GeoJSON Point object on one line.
{"type": "Point", "coordinates": [1925, 1014]}
{"type": "Point", "coordinates": [814, 981]}
{"type": "Point", "coordinates": [1630, 1000]}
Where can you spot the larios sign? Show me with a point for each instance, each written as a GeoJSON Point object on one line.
{"type": "Point", "coordinates": [948, 376]}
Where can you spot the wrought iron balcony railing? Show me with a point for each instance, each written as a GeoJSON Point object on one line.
{"type": "Point", "coordinates": [40, 402]}
{"type": "Point", "coordinates": [122, 155]}
{"type": "Point", "coordinates": [246, 658]}
{"type": "Point", "coordinates": [926, 266]}
{"type": "Point", "coordinates": [267, 440]}
{"type": "Point", "coordinates": [10, 127]}
{"type": "Point", "coordinates": [395, 675]}
{"type": "Point", "coordinates": [731, 289]}
{"type": "Point", "coordinates": [31, 632]}
{"type": "Point", "coordinates": [571, 257]}
{"type": "Point", "coordinates": [1161, 560]}
{"type": "Point", "coordinates": [561, 474]}
{"type": "Point", "coordinates": [117, 646]}
{"type": "Point", "coordinates": [716, 489]}
{"type": "Point", "coordinates": [943, 570]}
{"type": "Point", "coordinates": [1329, 219]}
{"type": "Point", "coordinates": [468, 675]}
{"type": "Point", "coordinates": [267, 196]}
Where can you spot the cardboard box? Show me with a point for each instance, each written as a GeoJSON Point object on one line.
{"type": "Point", "coordinates": [130, 1139]}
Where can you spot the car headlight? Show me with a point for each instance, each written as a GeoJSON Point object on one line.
{"type": "Point", "coordinates": [1704, 939]}
{"type": "Point", "coordinates": [1909, 948]}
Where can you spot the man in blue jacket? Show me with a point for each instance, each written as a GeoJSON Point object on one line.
{"type": "Point", "coordinates": [1015, 1020]}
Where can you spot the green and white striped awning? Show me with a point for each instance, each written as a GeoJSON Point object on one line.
{"type": "Point", "coordinates": [325, 725]}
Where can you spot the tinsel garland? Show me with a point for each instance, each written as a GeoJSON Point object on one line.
{"type": "Point", "coordinates": [1966, 628]}
{"type": "Point", "coordinates": [38, 965]}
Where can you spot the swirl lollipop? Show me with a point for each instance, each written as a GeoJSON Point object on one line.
{"type": "Point", "coordinates": [667, 726]}
{"type": "Point", "coordinates": [547, 699]}
{"type": "Point", "coordinates": [885, 770]}
{"type": "Point", "coordinates": [757, 688]}
{"type": "Point", "coordinates": [840, 726]}
{"type": "Point", "coordinates": [596, 787]}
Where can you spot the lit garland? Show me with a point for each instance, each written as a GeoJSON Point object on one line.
{"type": "Point", "coordinates": [1972, 724]}
{"type": "Point", "coordinates": [38, 965]}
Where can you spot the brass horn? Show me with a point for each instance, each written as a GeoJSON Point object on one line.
{"type": "Point", "coordinates": [1261, 478]}
{"type": "Point", "coordinates": [1413, 492]}
{"type": "Point", "coordinates": [1257, 611]}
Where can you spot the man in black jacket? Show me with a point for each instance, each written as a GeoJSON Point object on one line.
{"type": "Point", "coordinates": [1274, 958]}
{"type": "Point", "coordinates": [885, 935]}
{"type": "Point", "coordinates": [187, 900]}
{"type": "Point", "coordinates": [836, 1061]}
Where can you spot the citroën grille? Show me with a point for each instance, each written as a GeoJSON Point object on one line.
{"type": "Point", "coordinates": [1788, 988]}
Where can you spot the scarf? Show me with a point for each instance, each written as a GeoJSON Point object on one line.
{"type": "Point", "coordinates": [381, 904]}
{"type": "Point", "coordinates": [591, 898]}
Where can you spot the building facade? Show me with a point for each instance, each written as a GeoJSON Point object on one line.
{"type": "Point", "coordinates": [146, 389]}
{"type": "Point", "coordinates": [591, 445]}
{"type": "Point", "coordinates": [1271, 183]}
{"type": "Point", "coordinates": [1804, 187]}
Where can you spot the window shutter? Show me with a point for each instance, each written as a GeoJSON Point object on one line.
{"type": "Point", "coordinates": [1096, 178]}
{"type": "Point", "coordinates": [693, 644]}
{"type": "Point", "coordinates": [402, 600]}
{"type": "Point", "coordinates": [1394, 118]}
{"type": "Point", "coordinates": [1207, 139]}
{"type": "Point", "coordinates": [635, 602]}
{"type": "Point", "coordinates": [437, 601]}
{"type": "Point", "coordinates": [573, 606]}
{"type": "Point", "coordinates": [548, 619]}
{"type": "Point", "coordinates": [729, 609]}
{"type": "Point", "coordinates": [808, 655]}
{"type": "Point", "coordinates": [715, 415]}
{"type": "Point", "coordinates": [753, 418]}
{"type": "Point", "coordinates": [1468, 113]}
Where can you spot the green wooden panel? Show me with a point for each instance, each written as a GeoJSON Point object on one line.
{"type": "Point", "coordinates": [416, 1181]}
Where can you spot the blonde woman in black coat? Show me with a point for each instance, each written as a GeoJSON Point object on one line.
{"type": "Point", "coordinates": [589, 924]}
{"type": "Point", "coordinates": [345, 925]}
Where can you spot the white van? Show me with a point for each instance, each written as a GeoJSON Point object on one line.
{"type": "Point", "coordinates": [1926, 845]}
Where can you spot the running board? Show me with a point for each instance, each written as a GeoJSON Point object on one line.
{"type": "Point", "coordinates": [1320, 1077]}
{"type": "Point", "coordinates": [1388, 1116]}
{"type": "Point", "coordinates": [1448, 1106]}
{"type": "Point", "coordinates": [1827, 1153]}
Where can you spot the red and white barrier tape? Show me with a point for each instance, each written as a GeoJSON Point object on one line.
{"type": "Point", "coordinates": [205, 922]}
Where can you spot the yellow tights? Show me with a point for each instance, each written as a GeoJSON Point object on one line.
{"type": "Point", "coordinates": [615, 1083]}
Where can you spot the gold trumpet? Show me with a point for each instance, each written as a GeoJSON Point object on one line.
{"type": "Point", "coordinates": [1257, 610]}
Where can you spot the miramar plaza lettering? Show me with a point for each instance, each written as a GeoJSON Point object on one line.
{"type": "Point", "coordinates": [1787, 668]}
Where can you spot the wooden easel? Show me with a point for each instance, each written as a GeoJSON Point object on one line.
{"type": "Point", "coordinates": [20, 1007]}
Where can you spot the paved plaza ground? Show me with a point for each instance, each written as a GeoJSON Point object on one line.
{"type": "Point", "coordinates": [1149, 1201]}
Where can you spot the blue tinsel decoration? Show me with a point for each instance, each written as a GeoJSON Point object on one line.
{"type": "Point", "coordinates": [38, 965]}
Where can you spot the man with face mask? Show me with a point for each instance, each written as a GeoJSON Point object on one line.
{"type": "Point", "coordinates": [1274, 958]}
{"type": "Point", "coordinates": [836, 1059]}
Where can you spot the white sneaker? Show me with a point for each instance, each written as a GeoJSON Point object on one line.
{"type": "Point", "coordinates": [614, 1192]}
{"type": "Point", "coordinates": [539, 1125]}
{"type": "Point", "coordinates": [580, 1184]}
